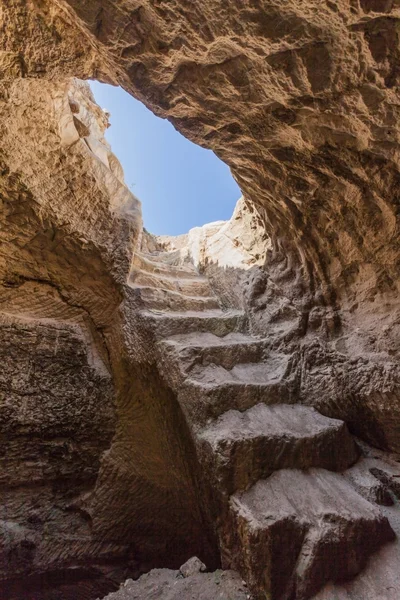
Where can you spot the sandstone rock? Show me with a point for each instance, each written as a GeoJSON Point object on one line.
{"type": "Point", "coordinates": [300, 531]}
{"type": "Point", "coordinates": [163, 584]}
{"type": "Point", "coordinates": [300, 99]}
{"type": "Point", "coordinates": [69, 226]}
{"type": "Point", "coordinates": [192, 567]}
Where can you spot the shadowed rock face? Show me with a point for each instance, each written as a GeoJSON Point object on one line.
{"type": "Point", "coordinates": [301, 100]}
{"type": "Point", "coordinates": [87, 436]}
{"type": "Point", "coordinates": [188, 582]}
{"type": "Point", "coordinates": [298, 98]}
{"type": "Point", "coordinates": [57, 419]}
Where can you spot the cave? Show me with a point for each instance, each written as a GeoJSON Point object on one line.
{"type": "Point", "coordinates": [215, 412]}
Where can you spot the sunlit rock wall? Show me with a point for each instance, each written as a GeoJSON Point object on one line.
{"type": "Point", "coordinates": [227, 252]}
{"type": "Point", "coordinates": [76, 411]}
{"type": "Point", "coordinates": [301, 100]}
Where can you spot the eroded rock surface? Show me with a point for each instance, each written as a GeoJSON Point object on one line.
{"type": "Point", "coordinates": [76, 411]}
{"type": "Point", "coordinates": [301, 100]}
{"type": "Point", "coordinates": [285, 521]}
{"type": "Point", "coordinates": [224, 251]}
{"type": "Point", "coordinates": [163, 584]}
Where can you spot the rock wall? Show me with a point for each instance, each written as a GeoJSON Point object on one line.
{"type": "Point", "coordinates": [300, 99]}
{"type": "Point", "coordinates": [224, 251]}
{"type": "Point", "coordinates": [76, 409]}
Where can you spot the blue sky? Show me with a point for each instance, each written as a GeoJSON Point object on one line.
{"type": "Point", "coordinates": [180, 184]}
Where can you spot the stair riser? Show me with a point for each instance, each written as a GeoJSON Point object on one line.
{"type": "Point", "coordinates": [236, 465]}
{"type": "Point", "coordinates": [169, 326]}
{"type": "Point", "coordinates": [224, 355]}
{"type": "Point", "coordinates": [189, 287]}
{"type": "Point", "coordinates": [160, 300]}
{"type": "Point", "coordinates": [202, 404]}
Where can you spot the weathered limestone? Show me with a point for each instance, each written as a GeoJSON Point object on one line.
{"type": "Point", "coordinates": [76, 411]}
{"type": "Point", "coordinates": [293, 532]}
{"type": "Point", "coordinates": [284, 521]}
{"type": "Point", "coordinates": [301, 100]}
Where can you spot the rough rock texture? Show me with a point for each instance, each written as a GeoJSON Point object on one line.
{"type": "Point", "coordinates": [78, 491]}
{"type": "Point", "coordinates": [379, 579]}
{"type": "Point", "coordinates": [245, 447]}
{"type": "Point", "coordinates": [287, 524]}
{"type": "Point", "coordinates": [299, 530]}
{"type": "Point", "coordinates": [301, 100]}
{"type": "Point", "coordinates": [57, 418]}
{"type": "Point", "coordinates": [224, 251]}
{"type": "Point", "coordinates": [163, 584]}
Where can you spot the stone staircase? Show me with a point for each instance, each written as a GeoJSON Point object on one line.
{"type": "Point", "coordinates": [165, 286]}
{"type": "Point", "coordinates": [288, 518]}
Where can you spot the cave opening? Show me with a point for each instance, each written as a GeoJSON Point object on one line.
{"type": "Point", "coordinates": [116, 505]}
{"type": "Point", "coordinates": [152, 409]}
{"type": "Point", "coordinates": [180, 184]}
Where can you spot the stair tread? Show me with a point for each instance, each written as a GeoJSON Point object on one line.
{"type": "Point", "coordinates": [268, 372]}
{"type": "Point", "coordinates": [309, 495]}
{"type": "Point", "coordinates": [298, 530]}
{"type": "Point", "coordinates": [193, 314]}
{"type": "Point", "coordinates": [207, 339]}
{"type": "Point", "coordinates": [170, 277]}
{"type": "Point", "coordinates": [277, 420]}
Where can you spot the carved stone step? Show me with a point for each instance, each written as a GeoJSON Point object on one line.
{"type": "Point", "coordinates": [203, 403]}
{"type": "Point", "coordinates": [215, 321]}
{"type": "Point", "coordinates": [380, 580]}
{"type": "Point", "coordinates": [293, 532]}
{"type": "Point", "coordinates": [206, 348]}
{"type": "Point", "coordinates": [156, 298]}
{"type": "Point", "coordinates": [194, 286]}
{"type": "Point", "coordinates": [210, 391]}
{"type": "Point", "coordinates": [159, 266]}
{"type": "Point", "coordinates": [267, 371]}
{"type": "Point", "coordinates": [240, 448]}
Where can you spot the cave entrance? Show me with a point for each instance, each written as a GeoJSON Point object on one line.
{"type": "Point", "coordinates": [180, 184]}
